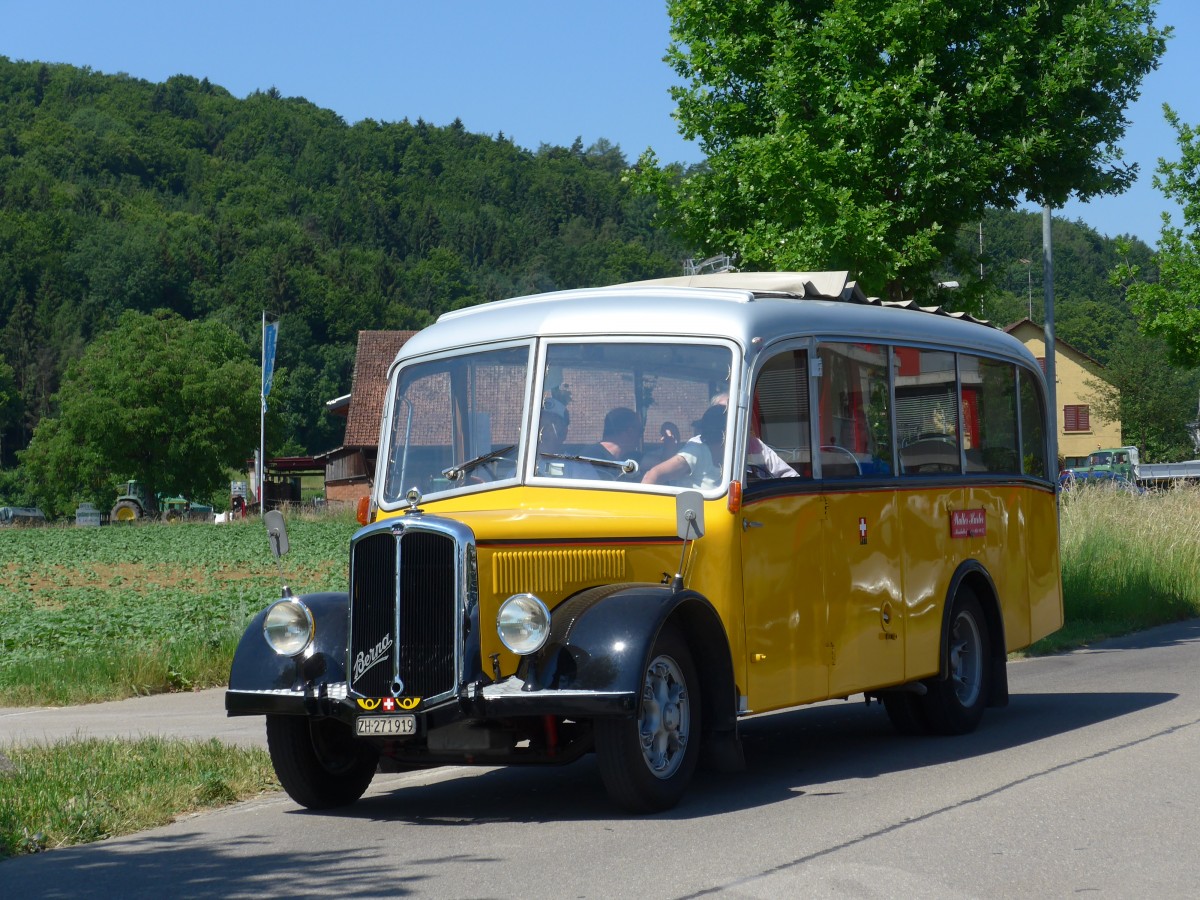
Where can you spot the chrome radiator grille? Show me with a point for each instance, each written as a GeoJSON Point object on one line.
{"type": "Point", "coordinates": [403, 608]}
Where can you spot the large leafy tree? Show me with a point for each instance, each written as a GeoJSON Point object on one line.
{"type": "Point", "coordinates": [1169, 307]}
{"type": "Point", "coordinates": [171, 403]}
{"type": "Point", "coordinates": [9, 401]}
{"type": "Point", "coordinates": [861, 134]}
{"type": "Point", "coordinates": [1152, 400]}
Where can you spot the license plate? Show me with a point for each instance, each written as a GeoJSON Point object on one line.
{"type": "Point", "coordinates": [383, 726]}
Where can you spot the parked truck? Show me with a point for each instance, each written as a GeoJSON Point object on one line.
{"type": "Point", "coordinates": [1123, 464]}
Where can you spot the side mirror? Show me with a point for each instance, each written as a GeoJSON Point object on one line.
{"type": "Point", "coordinates": [276, 533]}
{"type": "Point", "coordinates": [689, 515]}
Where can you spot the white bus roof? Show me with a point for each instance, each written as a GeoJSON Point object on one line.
{"type": "Point", "coordinates": [741, 306]}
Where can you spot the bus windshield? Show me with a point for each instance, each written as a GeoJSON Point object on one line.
{"type": "Point", "coordinates": [614, 411]}
{"type": "Point", "coordinates": [456, 422]}
{"type": "Point", "coordinates": [606, 414]}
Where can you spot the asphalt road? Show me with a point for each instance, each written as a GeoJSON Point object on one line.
{"type": "Point", "coordinates": [1086, 784]}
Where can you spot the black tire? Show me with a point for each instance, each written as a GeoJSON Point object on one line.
{"type": "Point", "coordinates": [906, 712]}
{"type": "Point", "coordinates": [955, 704]}
{"type": "Point", "coordinates": [318, 761]}
{"type": "Point", "coordinates": [125, 511]}
{"type": "Point", "coordinates": [647, 761]}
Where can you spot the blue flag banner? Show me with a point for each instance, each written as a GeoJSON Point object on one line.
{"type": "Point", "coordinates": [269, 333]}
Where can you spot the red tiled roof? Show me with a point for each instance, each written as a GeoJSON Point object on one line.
{"type": "Point", "coordinates": [376, 350]}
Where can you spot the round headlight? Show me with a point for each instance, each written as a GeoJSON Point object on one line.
{"type": "Point", "coordinates": [523, 624]}
{"type": "Point", "coordinates": [288, 627]}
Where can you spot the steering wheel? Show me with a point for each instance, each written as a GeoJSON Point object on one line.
{"type": "Point", "coordinates": [834, 448]}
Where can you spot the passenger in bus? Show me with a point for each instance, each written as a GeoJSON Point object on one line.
{"type": "Point", "coordinates": [697, 462]}
{"type": "Point", "coordinates": [621, 440]}
{"type": "Point", "coordinates": [667, 446]}
{"type": "Point", "coordinates": [761, 460]}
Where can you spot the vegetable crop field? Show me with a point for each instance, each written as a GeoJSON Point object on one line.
{"type": "Point", "coordinates": [89, 614]}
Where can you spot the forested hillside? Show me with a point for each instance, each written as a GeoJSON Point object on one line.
{"type": "Point", "coordinates": [116, 193]}
{"type": "Point", "coordinates": [1090, 311]}
{"type": "Point", "coordinates": [1153, 400]}
{"type": "Point", "coordinates": [119, 194]}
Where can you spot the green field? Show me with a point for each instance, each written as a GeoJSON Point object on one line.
{"type": "Point", "coordinates": [90, 614]}
{"type": "Point", "coordinates": [1129, 561]}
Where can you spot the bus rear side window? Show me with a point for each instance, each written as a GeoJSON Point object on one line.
{"type": "Point", "coordinates": [989, 411]}
{"type": "Point", "coordinates": [1033, 428]}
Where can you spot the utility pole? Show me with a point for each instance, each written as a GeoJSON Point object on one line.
{"type": "Point", "coordinates": [1028, 264]}
{"type": "Point", "coordinates": [1048, 291]}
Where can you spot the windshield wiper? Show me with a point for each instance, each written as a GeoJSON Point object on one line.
{"type": "Point", "coordinates": [628, 466]}
{"type": "Point", "coordinates": [456, 472]}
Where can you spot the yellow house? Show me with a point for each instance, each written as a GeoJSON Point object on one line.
{"type": "Point", "coordinates": [1080, 429]}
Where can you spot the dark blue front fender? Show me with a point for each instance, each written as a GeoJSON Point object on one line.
{"type": "Point", "coordinates": [601, 641]}
{"type": "Point", "coordinates": [260, 680]}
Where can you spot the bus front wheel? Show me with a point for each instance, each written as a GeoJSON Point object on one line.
{"type": "Point", "coordinates": [318, 761]}
{"type": "Point", "coordinates": [647, 762]}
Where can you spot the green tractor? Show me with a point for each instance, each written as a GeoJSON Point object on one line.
{"type": "Point", "coordinates": [134, 504]}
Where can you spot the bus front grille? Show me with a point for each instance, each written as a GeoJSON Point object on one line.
{"type": "Point", "coordinates": [403, 607]}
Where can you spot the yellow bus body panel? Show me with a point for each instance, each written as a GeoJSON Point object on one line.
{"type": "Point", "coordinates": [822, 594]}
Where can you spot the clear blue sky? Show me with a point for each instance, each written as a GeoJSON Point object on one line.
{"type": "Point", "coordinates": [541, 71]}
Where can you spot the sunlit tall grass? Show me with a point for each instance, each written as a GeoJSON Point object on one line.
{"type": "Point", "coordinates": [1129, 561]}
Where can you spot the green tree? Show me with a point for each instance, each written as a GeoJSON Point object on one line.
{"type": "Point", "coordinates": [168, 402]}
{"type": "Point", "coordinates": [1169, 308]}
{"type": "Point", "coordinates": [1153, 400]}
{"type": "Point", "coordinates": [10, 402]}
{"type": "Point", "coordinates": [860, 134]}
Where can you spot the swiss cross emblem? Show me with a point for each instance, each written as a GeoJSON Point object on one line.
{"type": "Point", "coordinates": [389, 704]}
{"type": "Point", "coordinates": [862, 530]}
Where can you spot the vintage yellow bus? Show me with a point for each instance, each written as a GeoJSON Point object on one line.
{"type": "Point", "coordinates": [621, 519]}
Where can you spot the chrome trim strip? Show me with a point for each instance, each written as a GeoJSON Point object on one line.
{"type": "Point", "coordinates": [515, 687]}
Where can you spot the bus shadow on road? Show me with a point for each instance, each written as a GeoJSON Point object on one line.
{"type": "Point", "coordinates": [802, 751]}
{"type": "Point", "coordinates": [809, 753]}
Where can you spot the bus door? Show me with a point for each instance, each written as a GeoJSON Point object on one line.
{"type": "Point", "coordinates": [862, 555]}
{"type": "Point", "coordinates": [862, 548]}
{"type": "Point", "coordinates": [781, 542]}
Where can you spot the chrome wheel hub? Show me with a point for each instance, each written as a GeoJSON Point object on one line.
{"type": "Point", "coordinates": [966, 659]}
{"type": "Point", "coordinates": [665, 721]}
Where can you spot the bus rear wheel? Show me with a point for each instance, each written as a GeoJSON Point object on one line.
{"type": "Point", "coordinates": [955, 704]}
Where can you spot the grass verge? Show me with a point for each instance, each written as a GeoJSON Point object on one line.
{"type": "Point", "coordinates": [1129, 562]}
{"type": "Point", "coordinates": [78, 791]}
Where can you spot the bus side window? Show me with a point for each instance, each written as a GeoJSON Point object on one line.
{"type": "Point", "coordinates": [854, 408]}
{"type": "Point", "coordinates": [779, 425]}
{"type": "Point", "coordinates": [927, 412]}
{"type": "Point", "coordinates": [1033, 428]}
{"type": "Point", "coordinates": [989, 402]}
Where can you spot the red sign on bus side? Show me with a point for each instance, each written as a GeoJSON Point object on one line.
{"type": "Point", "coordinates": [968, 523]}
